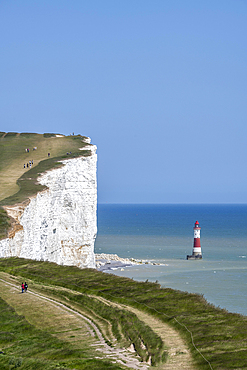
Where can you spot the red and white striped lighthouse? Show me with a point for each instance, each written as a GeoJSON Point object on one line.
{"type": "Point", "coordinates": [197, 250]}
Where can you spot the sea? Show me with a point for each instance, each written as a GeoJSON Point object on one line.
{"type": "Point", "coordinates": [163, 233]}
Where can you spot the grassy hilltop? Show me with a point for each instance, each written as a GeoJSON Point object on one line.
{"type": "Point", "coordinates": [17, 182]}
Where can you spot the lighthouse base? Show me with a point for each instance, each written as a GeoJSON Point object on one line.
{"type": "Point", "coordinates": [194, 257]}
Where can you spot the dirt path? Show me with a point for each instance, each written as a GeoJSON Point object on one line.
{"type": "Point", "coordinates": [70, 325]}
{"type": "Point", "coordinates": [179, 356]}
{"type": "Point", "coordinates": [64, 323]}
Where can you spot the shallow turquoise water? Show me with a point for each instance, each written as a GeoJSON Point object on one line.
{"type": "Point", "coordinates": [164, 233]}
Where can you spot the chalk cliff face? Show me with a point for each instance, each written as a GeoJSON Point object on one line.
{"type": "Point", "coordinates": [58, 224]}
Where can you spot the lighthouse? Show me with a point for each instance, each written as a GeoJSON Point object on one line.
{"type": "Point", "coordinates": [197, 251]}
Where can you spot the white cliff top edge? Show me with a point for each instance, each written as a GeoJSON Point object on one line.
{"type": "Point", "coordinates": [91, 147]}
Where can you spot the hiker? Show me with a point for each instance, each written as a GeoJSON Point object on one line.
{"type": "Point", "coordinates": [24, 165]}
{"type": "Point", "coordinates": [49, 154]}
{"type": "Point", "coordinates": [27, 165]}
{"type": "Point", "coordinates": [25, 286]}
{"type": "Point", "coordinates": [22, 288]}
{"type": "Point", "coordinates": [32, 161]}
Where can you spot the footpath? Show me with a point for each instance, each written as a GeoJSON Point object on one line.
{"type": "Point", "coordinates": [70, 325]}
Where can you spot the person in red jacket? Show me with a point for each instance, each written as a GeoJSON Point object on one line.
{"type": "Point", "coordinates": [22, 287]}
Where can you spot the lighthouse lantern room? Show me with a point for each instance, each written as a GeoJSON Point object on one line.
{"type": "Point", "coordinates": [197, 251]}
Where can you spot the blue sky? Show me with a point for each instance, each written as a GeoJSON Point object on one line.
{"type": "Point", "coordinates": [160, 87]}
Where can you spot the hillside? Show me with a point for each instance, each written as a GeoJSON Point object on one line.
{"type": "Point", "coordinates": [128, 314]}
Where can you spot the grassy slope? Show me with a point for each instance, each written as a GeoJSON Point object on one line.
{"type": "Point", "coordinates": [17, 183]}
{"type": "Point", "coordinates": [26, 347]}
{"type": "Point", "coordinates": [4, 223]}
{"type": "Point", "coordinates": [218, 334]}
{"type": "Point", "coordinates": [124, 325]}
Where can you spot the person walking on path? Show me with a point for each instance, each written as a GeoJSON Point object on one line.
{"type": "Point", "coordinates": [22, 288]}
{"type": "Point", "coordinates": [25, 286]}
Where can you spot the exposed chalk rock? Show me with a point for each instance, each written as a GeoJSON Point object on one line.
{"type": "Point", "coordinates": [58, 224]}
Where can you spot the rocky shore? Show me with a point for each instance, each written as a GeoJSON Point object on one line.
{"type": "Point", "coordinates": [113, 261]}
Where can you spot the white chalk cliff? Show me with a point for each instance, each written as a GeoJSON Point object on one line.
{"type": "Point", "coordinates": [59, 224]}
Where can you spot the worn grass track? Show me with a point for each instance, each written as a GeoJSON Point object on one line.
{"type": "Point", "coordinates": [219, 336]}
{"type": "Point", "coordinates": [26, 347]}
{"type": "Point", "coordinates": [63, 323]}
{"type": "Point", "coordinates": [179, 355]}
{"type": "Point", "coordinates": [66, 326]}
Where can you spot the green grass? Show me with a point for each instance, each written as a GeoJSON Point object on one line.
{"type": "Point", "coordinates": [123, 322]}
{"type": "Point", "coordinates": [218, 334]}
{"type": "Point", "coordinates": [13, 155]}
{"type": "Point", "coordinates": [25, 347]}
{"type": "Point", "coordinates": [49, 135]}
{"type": "Point", "coordinates": [4, 223]}
{"type": "Point", "coordinates": [28, 181]}
{"type": "Point", "coordinates": [9, 134]}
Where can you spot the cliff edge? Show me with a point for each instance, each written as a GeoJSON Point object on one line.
{"type": "Point", "coordinates": [59, 223]}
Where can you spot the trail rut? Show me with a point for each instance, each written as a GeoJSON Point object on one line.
{"type": "Point", "coordinates": [79, 327]}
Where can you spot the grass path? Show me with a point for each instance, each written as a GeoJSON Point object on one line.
{"type": "Point", "coordinates": [179, 356]}
{"type": "Point", "coordinates": [72, 326]}
{"type": "Point", "coordinates": [65, 323]}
